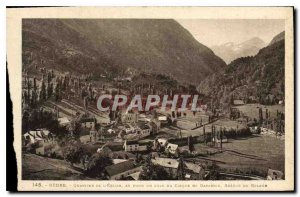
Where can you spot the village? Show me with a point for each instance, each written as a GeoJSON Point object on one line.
{"type": "Point", "coordinates": [61, 121]}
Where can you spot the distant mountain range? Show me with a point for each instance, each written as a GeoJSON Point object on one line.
{"type": "Point", "coordinates": [114, 46]}
{"type": "Point", "coordinates": [253, 77]}
{"type": "Point", "coordinates": [231, 51]}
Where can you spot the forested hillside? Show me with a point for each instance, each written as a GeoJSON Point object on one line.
{"type": "Point", "coordinates": [117, 47]}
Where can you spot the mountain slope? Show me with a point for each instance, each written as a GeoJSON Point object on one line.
{"type": "Point", "coordinates": [230, 51]}
{"type": "Point", "coordinates": [114, 46]}
{"type": "Point", "coordinates": [277, 38]}
{"type": "Point", "coordinates": [255, 76]}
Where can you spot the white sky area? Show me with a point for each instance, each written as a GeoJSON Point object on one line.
{"type": "Point", "coordinates": [212, 32]}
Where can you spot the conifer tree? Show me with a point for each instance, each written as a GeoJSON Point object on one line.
{"type": "Point", "coordinates": [34, 84]}
{"type": "Point", "coordinates": [43, 91]}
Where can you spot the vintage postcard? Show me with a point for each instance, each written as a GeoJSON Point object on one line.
{"type": "Point", "coordinates": [152, 98]}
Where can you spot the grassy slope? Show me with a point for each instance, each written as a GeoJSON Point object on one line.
{"type": "Point", "coordinates": [41, 168]}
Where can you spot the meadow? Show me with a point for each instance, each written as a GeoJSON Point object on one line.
{"type": "Point", "coordinates": [255, 153]}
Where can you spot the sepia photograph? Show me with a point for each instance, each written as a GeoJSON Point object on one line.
{"type": "Point", "coordinates": [183, 100]}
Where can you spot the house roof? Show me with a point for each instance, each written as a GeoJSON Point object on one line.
{"type": "Point", "coordinates": [162, 141]}
{"type": "Point", "coordinates": [142, 115]}
{"type": "Point", "coordinates": [116, 161]}
{"type": "Point", "coordinates": [145, 142]}
{"type": "Point", "coordinates": [132, 142]}
{"type": "Point", "coordinates": [135, 175]}
{"type": "Point", "coordinates": [28, 135]}
{"type": "Point", "coordinates": [37, 134]}
{"type": "Point", "coordinates": [145, 127]}
{"type": "Point", "coordinates": [63, 120]}
{"type": "Point", "coordinates": [104, 149]}
{"type": "Point", "coordinates": [127, 126]}
{"type": "Point", "coordinates": [187, 176]}
{"type": "Point", "coordinates": [119, 168]}
{"type": "Point", "coordinates": [271, 96]}
{"type": "Point", "coordinates": [112, 143]}
{"type": "Point", "coordinates": [155, 122]}
{"type": "Point", "coordinates": [121, 154]}
{"type": "Point", "coordinates": [39, 139]}
{"type": "Point", "coordinates": [162, 118]}
{"type": "Point", "coordinates": [130, 113]}
{"type": "Point", "coordinates": [238, 102]}
{"type": "Point", "coordinates": [275, 174]}
{"type": "Point", "coordinates": [86, 118]}
{"type": "Point", "coordinates": [252, 97]}
{"type": "Point", "coordinates": [193, 167]}
{"type": "Point", "coordinates": [142, 125]}
{"type": "Point", "coordinates": [165, 162]}
{"type": "Point", "coordinates": [83, 120]}
{"type": "Point", "coordinates": [172, 146]}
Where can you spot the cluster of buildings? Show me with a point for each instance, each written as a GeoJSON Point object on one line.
{"type": "Point", "coordinates": [129, 170]}
{"type": "Point", "coordinates": [132, 126]}
{"type": "Point", "coordinates": [40, 142]}
{"type": "Point", "coordinates": [157, 145]}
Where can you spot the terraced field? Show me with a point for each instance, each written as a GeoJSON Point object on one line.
{"type": "Point", "coordinates": [69, 109]}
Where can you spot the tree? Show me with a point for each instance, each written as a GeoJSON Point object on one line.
{"type": "Point", "coordinates": [221, 138]}
{"type": "Point", "coordinates": [137, 157]}
{"type": "Point", "coordinates": [191, 144]}
{"type": "Point", "coordinates": [147, 169]}
{"type": "Point", "coordinates": [180, 133]}
{"type": "Point", "coordinates": [28, 85]}
{"type": "Point", "coordinates": [173, 114]}
{"type": "Point", "coordinates": [73, 152]}
{"type": "Point", "coordinates": [159, 173]}
{"type": "Point", "coordinates": [34, 84]}
{"type": "Point", "coordinates": [181, 173]}
{"type": "Point", "coordinates": [50, 90]}
{"type": "Point", "coordinates": [204, 135]}
{"type": "Point", "coordinates": [260, 114]}
{"type": "Point", "coordinates": [29, 96]}
{"type": "Point", "coordinates": [85, 102]}
{"type": "Point", "coordinates": [49, 77]}
{"type": "Point", "coordinates": [33, 100]}
{"type": "Point", "coordinates": [214, 171]}
{"type": "Point", "coordinates": [154, 172]}
{"type": "Point", "coordinates": [111, 115]}
{"type": "Point", "coordinates": [97, 164]}
{"type": "Point", "coordinates": [39, 118]}
{"type": "Point", "coordinates": [43, 91]}
{"type": "Point", "coordinates": [57, 92]}
{"type": "Point", "coordinates": [268, 102]}
{"type": "Point", "coordinates": [212, 133]}
{"type": "Point", "coordinates": [25, 122]}
{"type": "Point", "coordinates": [75, 128]}
{"type": "Point", "coordinates": [25, 97]}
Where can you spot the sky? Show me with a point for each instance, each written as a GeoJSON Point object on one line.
{"type": "Point", "coordinates": [212, 32]}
